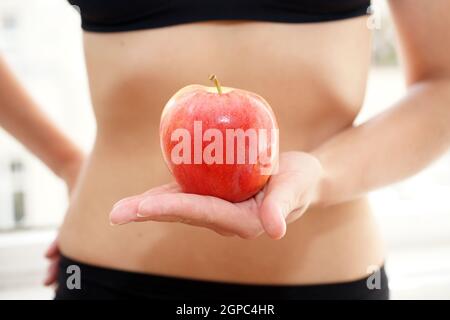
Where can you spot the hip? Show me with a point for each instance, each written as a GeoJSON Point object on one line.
{"type": "Point", "coordinates": [339, 243]}
{"type": "Point", "coordinates": [104, 283]}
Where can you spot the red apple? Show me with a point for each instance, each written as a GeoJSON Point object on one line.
{"type": "Point", "coordinates": [212, 140]}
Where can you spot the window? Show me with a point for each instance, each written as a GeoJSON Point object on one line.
{"type": "Point", "coordinates": [18, 193]}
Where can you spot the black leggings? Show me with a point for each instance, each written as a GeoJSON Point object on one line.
{"type": "Point", "coordinates": [102, 283]}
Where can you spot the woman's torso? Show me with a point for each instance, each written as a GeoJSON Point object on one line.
{"type": "Point", "coordinates": [314, 77]}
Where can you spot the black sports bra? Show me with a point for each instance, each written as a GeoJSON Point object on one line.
{"type": "Point", "coordinates": [125, 15]}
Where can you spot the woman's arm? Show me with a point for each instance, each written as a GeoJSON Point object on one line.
{"type": "Point", "coordinates": [21, 117]}
{"type": "Point", "coordinates": [413, 132]}
{"type": "Point", "coordinates": [385, 149]}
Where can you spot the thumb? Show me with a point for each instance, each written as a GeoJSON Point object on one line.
{"type": "Point", "coordinates": [281, 198]}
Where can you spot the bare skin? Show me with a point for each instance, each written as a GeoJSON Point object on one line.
{"type": "Point", "coordinates": [126, 159]}
{"type": "Point", "coordinates": [313, 75]}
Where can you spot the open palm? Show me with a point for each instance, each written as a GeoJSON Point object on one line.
{"type": "Point", "coordinates": [286, 195]}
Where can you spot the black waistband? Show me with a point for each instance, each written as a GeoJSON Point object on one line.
{"type": "Point", "coordinates": [106, 283]}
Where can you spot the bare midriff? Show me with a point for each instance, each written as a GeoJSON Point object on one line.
{"type": "Point", "coordinates": [313, 76]}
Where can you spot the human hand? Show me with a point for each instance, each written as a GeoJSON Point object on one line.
{"type": "Point", "coordinates": [284, 199]}
{"type": "Point", "coordinates": [53, 255]}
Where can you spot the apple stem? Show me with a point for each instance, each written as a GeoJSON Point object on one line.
{"type": "Point", "coordinates": [213, 78]}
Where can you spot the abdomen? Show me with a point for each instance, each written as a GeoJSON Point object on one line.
{"type": "Point", "coordinates": [313, 75]}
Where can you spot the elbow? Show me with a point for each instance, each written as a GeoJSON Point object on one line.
{"type": "Point", "coordinates": [435, 87]}
{"type": "Point", "coordinates": [436, 76]}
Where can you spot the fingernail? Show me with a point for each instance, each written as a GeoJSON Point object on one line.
{"type": "Point", "coordinates": [122, 214]}
{"type": "Point", "coordinates": [145, 207]}
{"type": "Point", "coordinates": [113, 224]}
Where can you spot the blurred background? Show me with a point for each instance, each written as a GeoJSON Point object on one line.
{"type": "Point", "coordinates": [41, 41]}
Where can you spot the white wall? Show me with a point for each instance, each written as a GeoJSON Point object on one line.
{"type": "Point", "coordinates": [44, 48]}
